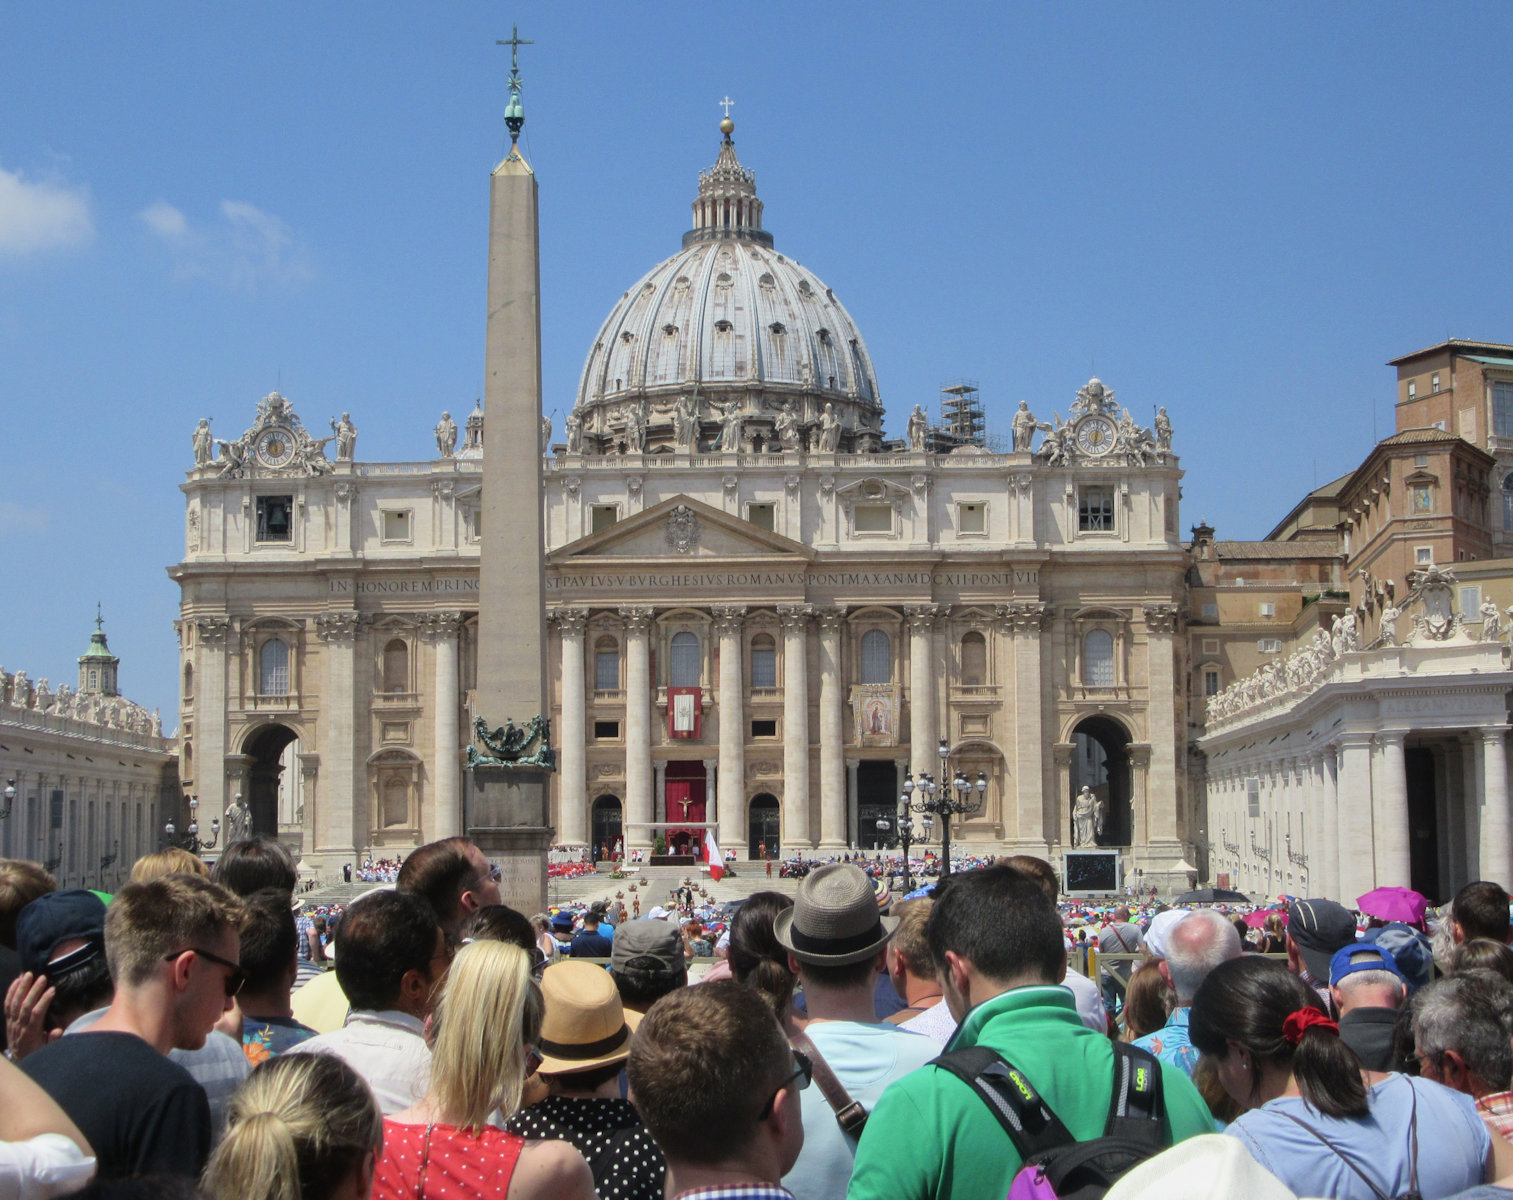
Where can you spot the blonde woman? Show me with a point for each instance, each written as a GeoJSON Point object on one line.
{"type": "Point", "coordinates": [303, 1127]}
{"type": "Point", "coordinates": [444, 1148]}
{"type": "Point", "coordinates": [173, 861]}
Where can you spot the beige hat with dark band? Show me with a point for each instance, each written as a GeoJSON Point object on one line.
{"type": "Point", "coordinates": [834, 918]}
{"type": "Point", "coordinates": [585, 1025]}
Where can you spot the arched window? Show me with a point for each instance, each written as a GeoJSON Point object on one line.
{"type": "Point", "coordinates": [1507, 503]}
{"type": "Point", "coordinates": [188, 681]}
{"type": "Point", "coordinates": [764, 661]}
{"type": "Point", "coordinates": [974, 659]}
{"type": "Point", "coordinates": [685, 660]}
{"type": "Point", "coordinates": [877, 657]}
{"type": "Point", "coordinates": [396, 666]}
{"type": "Point", "coordinates": [606, 665]}
{"type": "Point", "coordinates": [1098, 658]}
{"type": "Point", "coordinates": [273, 668]}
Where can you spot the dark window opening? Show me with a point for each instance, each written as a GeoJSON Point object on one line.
{"type": "Point", "coordinates": [606, 729]}
{"type": "Point", "coordinates": [273, 518]}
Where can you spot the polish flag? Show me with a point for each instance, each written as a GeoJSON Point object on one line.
{"type": "Point", "coordinates": [712, 852]}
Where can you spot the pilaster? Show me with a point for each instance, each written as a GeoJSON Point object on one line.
{"type": "Point", "coordinates": [341, 826]}
{"type": "Point", "coordinates": [637, 726]}
{"type": "Point", "coordinates": [441, 630]}
{"type": "Point", "coordinates": [795, 621]}
{"type": "Point", "coordinates": [833, 788]}
{"type": "Point", "coordinates": [572, 768]}
{"type": "Point", "coordinates": [732, 780]}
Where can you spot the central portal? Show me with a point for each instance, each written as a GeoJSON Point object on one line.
{"type": "Point", "coordinates": [686, 801]}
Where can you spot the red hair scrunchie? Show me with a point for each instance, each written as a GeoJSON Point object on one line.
{"type": "Point", "coordinates": [1304, 1019]}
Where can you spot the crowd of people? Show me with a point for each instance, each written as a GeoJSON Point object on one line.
{"type": "Point", "coordinates": [204, 1033]}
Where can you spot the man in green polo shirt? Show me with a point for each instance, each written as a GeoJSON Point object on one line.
{"type": "Point", "coordinates": [997, 943]}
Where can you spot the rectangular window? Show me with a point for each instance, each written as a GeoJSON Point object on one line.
{"type": "Point", "coordinates": [1210, 645]}
{"type": "Point", "coordinates": [1269, 645]}
{"type": "Point", "coordinates": [606, 730]}
{"type": "Point", "coordinates": [763, 516]}
{"type": "Point", "coordinates": [972, 517]}
{"type": "Point", "coordinates": [1502, 409]}
{"type": "Point", "coordinates": [1253, 796]}
{"type": "Point", "coordinates": [764, 667]}
{"type": "Point", "coordinates": [606, 670]}
{"type": "Point", "coordinates": [1423, 556]}
{"type": "Point", "coordinates": [1412, 389]}
{"type": "Point", "coordinates": [1095, 510]}
{"type": "Point", "coordinates": [396, 526]}
{"type": "Point", "coordinates": [874, 518]}
{"type": "Point", "coordinates": [1470, 602]}
{"type": "Point", "coordinates": [1434, 381]}
{"type": "Point", "coordinates": [602, 516]}
{"type": "Point", "coordinates": [273, 518]}
{"type": "Point", "coordinates": [1268, 610]}
{"type": "Point", "coordinates": [764, 729]}
{"type": "Point", "coordinates": [1210, 683]}
{"type": "Point", "coordinates": [55, 809]}
{"type": "Point", "coordinates": [1210, 612]}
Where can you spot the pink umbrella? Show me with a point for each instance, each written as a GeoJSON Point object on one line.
{"type": "Point", "coordinates": [1394, 904]}
{"type": "Point", "coordinates": [1256, 919]}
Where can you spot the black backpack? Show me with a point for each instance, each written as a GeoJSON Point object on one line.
{"type": "Point", "coordinates": [1054, 1161]}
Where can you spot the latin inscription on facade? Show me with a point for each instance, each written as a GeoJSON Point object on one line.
{"type": "Point", "coordinates": [821, 580]}
{"type": "Point", "coordinates": [379, 587]}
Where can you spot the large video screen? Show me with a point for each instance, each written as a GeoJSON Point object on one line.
{"type": "Point", "coordinates": [1092, 872]}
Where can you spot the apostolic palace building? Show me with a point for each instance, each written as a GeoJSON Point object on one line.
{"type": "Point", "coordinates": [765, 614]}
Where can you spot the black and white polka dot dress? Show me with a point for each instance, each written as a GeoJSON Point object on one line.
{"type": "Point", "coordinates": [608, 1133]}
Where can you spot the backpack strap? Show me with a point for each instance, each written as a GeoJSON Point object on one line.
{"type": "Point", "coordinates": [1026, 1118]}
{"type": "Point", "coordinates": [1135, 1107]}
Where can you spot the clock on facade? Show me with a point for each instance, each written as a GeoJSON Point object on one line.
{"type": "Point", "coordinates": [275, 447]}
{"type": "Point", "coordinates": [1096, 436]}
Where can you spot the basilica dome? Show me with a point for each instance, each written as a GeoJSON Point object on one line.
{"type": "Point", "coordinates": [733, 334]}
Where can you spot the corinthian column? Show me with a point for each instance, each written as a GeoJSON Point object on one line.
{"type": "Point", "coordinates": [923, 740]}
{"type": "Point", "coordinates": [732, 773]}
{"type": "Point", "coordinates": [1160, 817]}
{"type": "Point", "coordinates": [795, 619]}
{"type": "Point", "coordinates": [637, 727]}
{"type": "Point", "coordinates": [1025, 619]}
{"type": "Point", "coordinates": [342, 826]}
{"type": "Point", "coordinates": [1496, 834]}
{"type": "Point", "coordinates": [572, 771]}
{"type": "Point", "coordinates": [441, 629]}
{"type": "Point", "coordinates": [832, 732]}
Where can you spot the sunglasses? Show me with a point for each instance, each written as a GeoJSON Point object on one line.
{"type": "Point", "coordinates": [533, 1061]}
{"type": "Point", "coordinates": [494, 874]}
{"type": "Point", "coordinates": [803, 1071]}
{"type": "Point", "coordinates": [236, 978]}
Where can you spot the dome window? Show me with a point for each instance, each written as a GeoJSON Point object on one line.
{"type": "Point", "coordinates": [824, 335]}
{"type": "Point", "coordinates": [777, 327]}
{"type": "Point", "coordinates": [648, 289]}
{"type": "Point", "coordinates": [723, 326]}
{"type": "Point", "coordinates": [830, 295]}
{"type": "Point", "coordinates": [682, 283]}
{"type": "Point", "coordinates": [722, 281]}
{"type": "Point", "coordinates": [767, 281]}
{"type": "Point", "coordinates": [670, 330]}
{"type": "Point", "coordinates": [804, 288]}
{"type": "Point", "coordinates": [627, 337]}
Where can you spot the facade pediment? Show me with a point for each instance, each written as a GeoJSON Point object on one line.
{"type": "Point", "coordinates": [681, 528]}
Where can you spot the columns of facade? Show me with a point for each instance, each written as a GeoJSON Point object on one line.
{"type": "Point", "coordinates": [833, 791]}
{"type": "Point", "coordinates": [795, 619]}
{"type": "Point", "coordinates": [1025, 621]}
{"type": "Point", "coordinates": [209, 783]}
{"type": "Point", "coordinates": [1496, 827]}
{"type": "Point", "coordinates": [711, 786]}
{"type": "Point", "coordinates": [732, 779]}
{"type": "Point", "coordinates": [638, 832]}
{"type": "Point", "coordinates": [343, 824]}
{"type": "Point", "coordinates": [1473, 802]}
{"type": "Point", "coordinates": [1390, 814]}
{"type": "Point", "coordinates": [1161, 707]}
{"type": "Point", "coordinates": [572, 768]}
{"type": "Point", "coordinates": [1061, 806]}
{"type": "Point", "coordinates": [923, 739]}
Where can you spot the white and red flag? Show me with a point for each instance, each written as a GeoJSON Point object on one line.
{"type": "Point", "coordinates": [712, 853]}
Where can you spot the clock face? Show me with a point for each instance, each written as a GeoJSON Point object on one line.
{"type": "Point", "coordinates": [1095, 436]}
{"type": "Point", "coordinates": [275, 446]}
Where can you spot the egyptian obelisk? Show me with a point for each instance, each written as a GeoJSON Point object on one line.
{"type": "Point", "coordinates": [508, 811]}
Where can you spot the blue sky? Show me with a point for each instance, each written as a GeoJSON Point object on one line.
{"type": "Point", "coordinates": [1236, 211]}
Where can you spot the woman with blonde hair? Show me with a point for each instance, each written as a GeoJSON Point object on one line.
{"type": "Point", "coordinates": [303, 1127]}
{"type": "Point", "coordinates": [482, 1037]}
{"type": "Point", "coordinates": [173, 861]}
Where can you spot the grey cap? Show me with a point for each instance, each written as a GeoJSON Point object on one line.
{"type": "Point", "coordinates": [647, 939]}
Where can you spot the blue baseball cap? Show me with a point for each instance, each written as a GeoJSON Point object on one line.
{"type": "Point", "coordinates": [1362, 956]}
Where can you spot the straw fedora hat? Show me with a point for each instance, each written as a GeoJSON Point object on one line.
{"type": "Point", "coordinates": [834, 918]}
{"type": "Point", "coordinates": [584, 1025]}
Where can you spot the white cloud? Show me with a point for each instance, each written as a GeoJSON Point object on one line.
{"type": "Point", "coordinates": [41, 214]}
{"type": "Point", "coordinates": [246, 248]}
{"type": "Point", "coordinates": [16, 520]}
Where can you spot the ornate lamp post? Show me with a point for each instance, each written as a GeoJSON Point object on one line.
{"type": "Point", "coordinates": [961, 797]}
{"type": "Point", "coordinates": [10, 799]}
{"type": "Point", "coordinates": [191, 839]}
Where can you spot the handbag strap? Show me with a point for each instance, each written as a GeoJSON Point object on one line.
{"type": "Point", "coordinates": [849, 1114]}
{"type": "Point", "coordinates": [1348, 1161]}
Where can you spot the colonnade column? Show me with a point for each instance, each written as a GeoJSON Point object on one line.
{"type": "Point", "coordinates": [342, 824]}
{"type": "Point", "coordinates": [796, 828]}
{"type": "Point", "coordinates": [923, 740]}
{"type": "Point", "coordinates": [638, 832]}
{"type": "Point", "coordinates": [1353, 813]}
{"type": "Point", "coordinates": [1496, 830]}
{"type": "Point", "coordinates": [572, 770]}
{"type": "Point", "coordinates": [711, 784]}
{"type": "Point", "coordinates": [1390, 816]}
{"type": "Point", "coordinates": [659, 795]}
{"type": "Point", "coordinates": [1025, 620]}
{"type": "Point", "coordinates": [832, 733]}
{"type": "Point", "coordinates": [732, 779]}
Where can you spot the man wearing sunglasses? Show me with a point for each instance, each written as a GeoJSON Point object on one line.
{"type": "Point", "coordinates": [172, 944]}
{"type": "Point", "coordinates": [716, 1082]}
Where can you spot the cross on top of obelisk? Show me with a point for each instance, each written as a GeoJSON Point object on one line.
{"type": "Point", "coordinates": [725, 104]}
{"type": "Point", "coordinates": [514, 114]}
